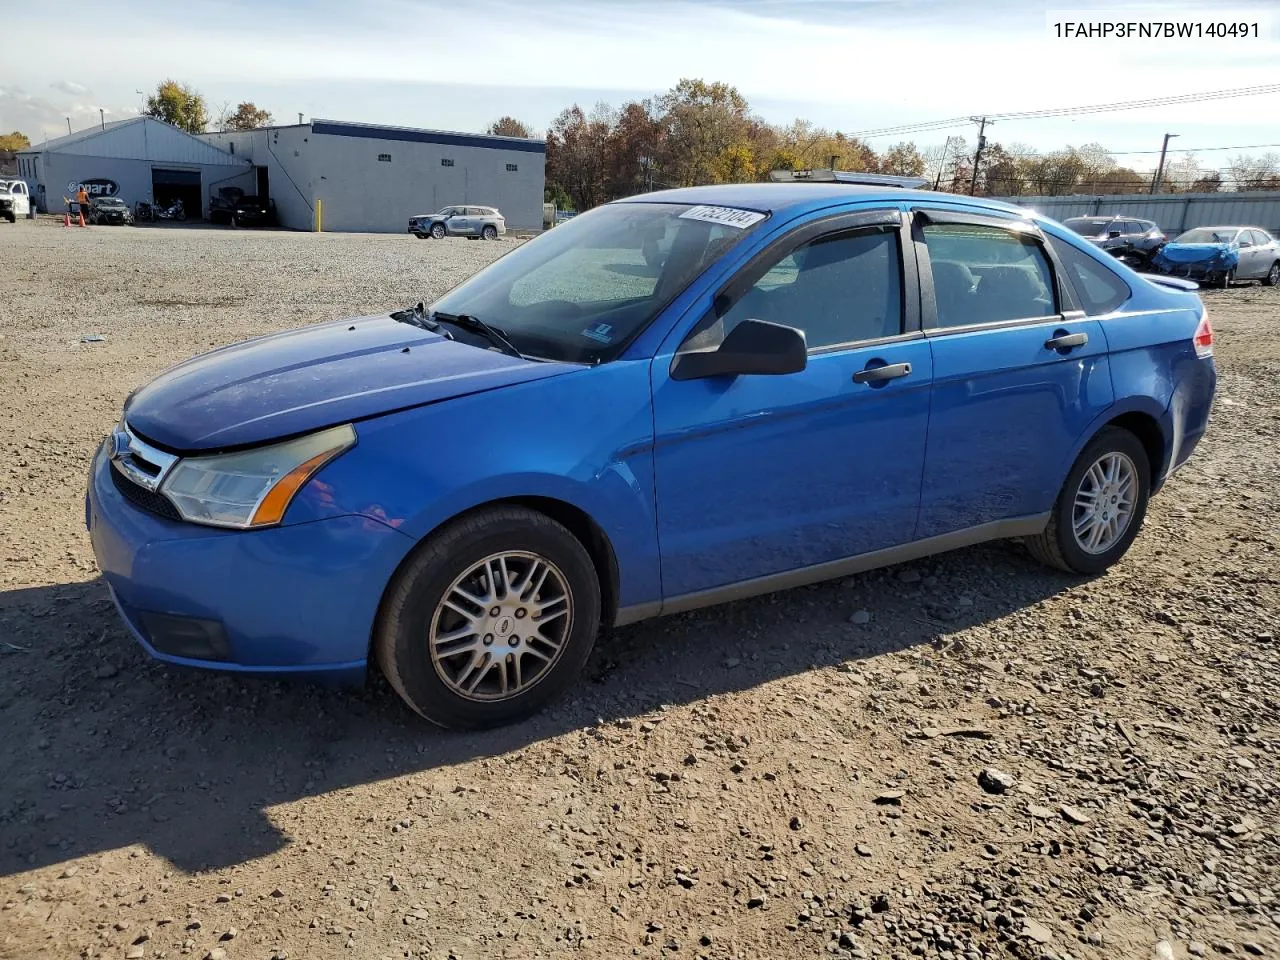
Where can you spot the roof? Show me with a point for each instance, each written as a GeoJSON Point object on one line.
{"type": "Point", "coordinates": [140, 138]}
{"type": "Point", "coordinates": [59, 143]}
{"type": "Point", "coordinates": [781, 197]}
{"type": "Point", "coordinates": [373, 131]}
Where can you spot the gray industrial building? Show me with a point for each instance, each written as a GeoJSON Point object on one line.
{"type": "Point", "coordinates": [364, 177]}
{"type": "Point", "coordinates": [136, 159]}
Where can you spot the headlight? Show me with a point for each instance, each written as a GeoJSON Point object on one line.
{"type": "Point", "coordinates": [255, 487]}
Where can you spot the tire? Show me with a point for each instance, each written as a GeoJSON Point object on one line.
{"type": "Point", "coordinates": [1273, 276]}
{"type": "Point", "coordinates": [438, 231]}
{"type": "Point", "coordinates": [1059, 546]}
{"type": "Point", "coordinates": [1225, 280]}
{"type": "Point", "coordinates": [11, 217]}
{"type": "Point", "coordinates": [413, 612]}
{"type": "Point", "coordinates": [490, 233]}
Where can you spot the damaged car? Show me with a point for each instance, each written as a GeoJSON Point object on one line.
{"type": "Point", "coordinates": [1221, 256]}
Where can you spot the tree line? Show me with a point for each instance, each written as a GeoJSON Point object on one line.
{"type": "Point", "coordinates": [705, 133]}
{"type": "Point", "coordinates": [701, 132]}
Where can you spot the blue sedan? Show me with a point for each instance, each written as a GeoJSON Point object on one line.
{"type": "Point", "coordinates": [668, 402]}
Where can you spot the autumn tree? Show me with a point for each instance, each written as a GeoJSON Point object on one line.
{"type": "Point", "coordinates": [703, 122]}
{"type": "Point", "coordinates": [1255, 173]}
{"type": "Point", "coordinates": [576, 154]}
{"type": "Point", "coordinates": [249, 116]}
{"type": "Point", "coordinates": [1210, 182]}
{"type": "Point", "coordinates": [178, 104]}
{"type": "Point", "coordinates": [13, 142]}
{"type": "Point", "coordinates": [902, 159]}
{"type": "Point", "coordinates": [510, 127]}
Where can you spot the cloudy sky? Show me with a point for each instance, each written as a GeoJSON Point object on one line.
{"type": "Point", "coordinates": [847, 64]}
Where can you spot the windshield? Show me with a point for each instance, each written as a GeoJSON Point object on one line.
{"type": "Point", "coordinates": [1087, 228]}
{"type": "Point", "coordinates": [581, 291]}
{"type": "Point", "coordinates": [110, 202]}
{"type": "Point", "coordinates": [1208, 235]}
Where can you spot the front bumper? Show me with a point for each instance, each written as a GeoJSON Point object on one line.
{"type": "Point", "coordinates": [1204, 270]}
{"type": "Point", "coordinates": [297, 599]}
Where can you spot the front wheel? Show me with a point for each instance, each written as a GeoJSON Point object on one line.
{"type": "Point", "coordinates": [1101, 506]}
{"type": "Point", "coordinates": [1273, 275]}
{"type": "Point", "coordinates": [490, 619]}
{"type": "Point", "coordinates": [438, 231]}
{"type": "Point", "coordinates": [1226, 279]}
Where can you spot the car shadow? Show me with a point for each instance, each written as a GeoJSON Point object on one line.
{"type": "Point", "coordinates": [104, 748]}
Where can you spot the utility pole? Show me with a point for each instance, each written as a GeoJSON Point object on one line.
{"type": "Point", "coordinates": [1164, 147]}
{"type": "Point", "coordinates": [977, 155]}
{"type": "Point", "coordinates": [68, 126]}
{"type": "Point", "coordinates": [937, 181]}
{"type": "Point", "coordinates": [102, 118]}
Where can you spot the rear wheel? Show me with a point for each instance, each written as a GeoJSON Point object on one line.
{"type": "Point", "coordinates": [1101, 507]}
{"type": "Point", "coordinates": [1273, 275]}
{"type": "Point", "coordinates": [491, 233]}
{"type": "Point", "coordinates": [493, 617]}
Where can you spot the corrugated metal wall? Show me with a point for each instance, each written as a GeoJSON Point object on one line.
{"type": "Point", "coordinates": [1174, 212]}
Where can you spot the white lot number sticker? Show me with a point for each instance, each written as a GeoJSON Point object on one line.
{"type": "Point", "coordinates": [725, 216]}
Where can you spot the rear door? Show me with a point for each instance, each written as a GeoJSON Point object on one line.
{"type": "Point", "coordinates": [1019, 372]}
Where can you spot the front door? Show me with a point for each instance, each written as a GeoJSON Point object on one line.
{"type": "Point", "coordinates": [760, 475]}
{"type": "Point", "coordinates": [1019, 374]}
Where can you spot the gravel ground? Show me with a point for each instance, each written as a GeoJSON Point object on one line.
{"type": "Point", "coordinates": [963, 757]}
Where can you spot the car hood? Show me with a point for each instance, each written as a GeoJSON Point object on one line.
{"type": "Point", "coordinates": [1196, 252]}
{"type": "Point", "coordinates": [290, 383]}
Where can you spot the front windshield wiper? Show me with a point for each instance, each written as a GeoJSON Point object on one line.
{"type": "Point", "coordinates": [417, 316]}
{"type": "Point", "coordinates": [491, 333]}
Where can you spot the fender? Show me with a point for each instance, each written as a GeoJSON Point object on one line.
{"type": "Point", "coordinates": [1133, 404]}
{"type": "Point", "coordinates": [587, 443]}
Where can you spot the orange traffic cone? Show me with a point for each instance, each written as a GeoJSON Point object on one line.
{"type": "Point", "coordinates": [66, 219]}
{"type": "Point", "coordinates": [82, 218]}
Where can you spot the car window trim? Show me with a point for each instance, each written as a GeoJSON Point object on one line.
{"type": "Point", "coordinates": [750, 273]}
{"type": "Point", "coordinates": [1066, 303]}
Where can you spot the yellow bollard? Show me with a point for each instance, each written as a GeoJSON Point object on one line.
{"type": "Point", "coordinates": [319, 215]}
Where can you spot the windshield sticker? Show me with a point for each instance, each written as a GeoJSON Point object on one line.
{"type": "Point", "coordinates": [599, 332]}
{"type": "Point", "coordinates": [725, 216]}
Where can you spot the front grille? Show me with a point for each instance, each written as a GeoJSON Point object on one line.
{"type": "Point", "coordinates": [141, 497]}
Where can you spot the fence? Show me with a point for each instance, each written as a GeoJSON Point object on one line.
{"type": "Point", "coordinates": [1174, 212]}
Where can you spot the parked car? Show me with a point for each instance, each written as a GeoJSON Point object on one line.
{"type": "Point", "coordinates": [1222, 255]}
{"type": "Point", "coordinates": [15, 201]}
{"type": "Point", "coordinates": [1126, 238]}
{"type": "Point", "coordinates": [799, 383]}
{"type": "Point", "coordinates": [105, 211]}
{"type": "Point", "coordinates": [456, 221]}
{"type": "Point", "coordinates": [233, 207]}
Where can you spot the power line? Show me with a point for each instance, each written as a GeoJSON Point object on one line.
{"type": "Point", "coordinates": [1075, 111]}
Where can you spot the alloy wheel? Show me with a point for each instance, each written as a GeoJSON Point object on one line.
{"type": "Point", "coordinates": [1104, 503]}
{"type": "Point", "coordinates": [501, 626]}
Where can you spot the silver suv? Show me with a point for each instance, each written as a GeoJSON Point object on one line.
{"type": "Point", "coordinates": [459, 221]}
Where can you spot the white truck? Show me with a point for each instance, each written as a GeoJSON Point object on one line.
{"type": "Point", "coordinates": [15, 201]}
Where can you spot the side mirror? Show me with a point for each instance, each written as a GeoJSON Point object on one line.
{"type": "Point", "coordinates": [1245, 243]}
{"type": "Point", "coordinates": [752, 347]}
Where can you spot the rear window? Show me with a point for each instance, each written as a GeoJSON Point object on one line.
{"type": "Point", "coordinates": [1097, 287]}
{"type": "Point", "coordinates": [1086, 228]}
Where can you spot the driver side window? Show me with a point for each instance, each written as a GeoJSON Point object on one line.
{"type": "Point", "coordinates": [838, 289]}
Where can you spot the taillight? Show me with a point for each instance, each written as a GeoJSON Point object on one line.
{"type": "Point", "coordinates": [1203, 339]}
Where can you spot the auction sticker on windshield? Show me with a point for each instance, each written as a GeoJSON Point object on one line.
{"type": "Point", "coordinates": [725, 216]}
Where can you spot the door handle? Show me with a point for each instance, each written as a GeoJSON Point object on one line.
{"type": "Point", "coordinates": [879, 374]}
{"type": "Point", "coordinates": [1066, 341]}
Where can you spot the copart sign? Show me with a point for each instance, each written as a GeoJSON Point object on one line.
{"type": "Point", "coordinates": [95, 187]}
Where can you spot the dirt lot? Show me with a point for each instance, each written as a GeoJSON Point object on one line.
{"type": "Point", "coordinates": [775, 778]}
